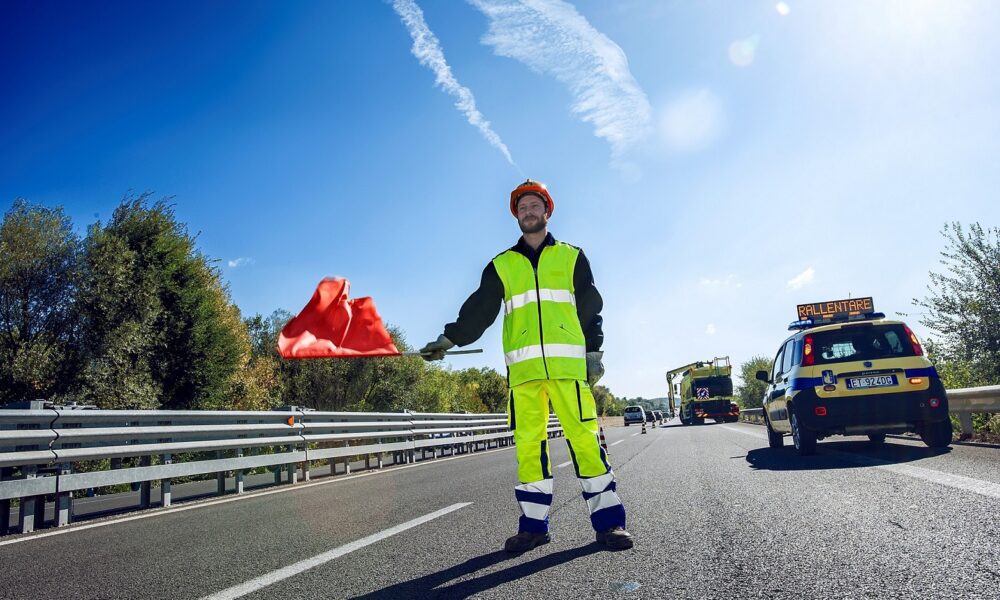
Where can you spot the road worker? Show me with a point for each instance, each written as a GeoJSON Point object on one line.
{"type": "Point", "coordinates": [552, 336]}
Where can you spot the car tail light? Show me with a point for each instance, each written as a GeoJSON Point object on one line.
{"type": "Point", "coordinates": [916, 380]}
{"type": "Point", "coordinates": [934, 402]}
{"type": "Point", "coordinates": [820, 411]}
{"type": "Point", "coordinates": [808, 358]}
{"type": "Point", "coordinates": [917, 348]}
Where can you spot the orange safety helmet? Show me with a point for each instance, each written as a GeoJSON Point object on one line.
{"type": "Point", "coordinates": [531, 187]}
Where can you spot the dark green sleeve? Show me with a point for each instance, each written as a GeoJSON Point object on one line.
{"type": "Point", "coordinates": [588, 304]}
{"type": "Point", "coordinates": [479, 311]}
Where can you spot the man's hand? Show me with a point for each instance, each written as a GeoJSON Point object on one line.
{"type": "Point", "coordinates": [436, 349]}
{"type": "Point", "coordinates": [595, 368]}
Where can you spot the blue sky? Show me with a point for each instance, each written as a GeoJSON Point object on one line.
{"type": "Point", "coordinates": [719, 162]}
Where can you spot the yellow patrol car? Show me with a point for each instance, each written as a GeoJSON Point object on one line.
{"type": "Point", "coordinates": [850, 371]}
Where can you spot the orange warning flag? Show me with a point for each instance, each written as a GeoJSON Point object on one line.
{"type": "Point", "coordinates": [334, 326]}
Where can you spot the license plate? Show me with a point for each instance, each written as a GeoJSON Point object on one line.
{"type": "Point", "coordinates": [874, 381]}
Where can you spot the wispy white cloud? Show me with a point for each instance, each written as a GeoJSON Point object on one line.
{"type": "Point", "coordinates": [551, 37]}
{"type": "Point", "coordinates": [729, 281]}
{"type": "Point", "coordinates": [710, 329]}
{"type": "Point", "coordinates": [742, 52]}
{"type": "Point", "coordinates": [801, 280]}
{"type": "Point", "coordinates": [427, 49]}
{"type": "Point", "coordinates": [240, 262]}
{"type": "Point", "coordinates": [782, 8]}
{"type": "Point", "coordinates": [692, 120]}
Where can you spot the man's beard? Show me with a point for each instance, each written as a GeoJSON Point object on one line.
{"type": "Point", "coordinates": [538, 225]}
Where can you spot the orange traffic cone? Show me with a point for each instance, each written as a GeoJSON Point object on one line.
{"type": "Point", "coordinates": [644, 426]}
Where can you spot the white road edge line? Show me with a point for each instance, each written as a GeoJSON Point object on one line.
{"type": "Point", "coordinates": [616, 443]}
{"type": "Point", "coordinates": [635, 434]}
{"type": "Point", "coordinates": [246, 496]}
{"type": "Point", "coordinates": [958, 482]}
{"type": "Point", "coordinates": [565, 464]}
{"type": "Point", "coordinates": [238, 591]}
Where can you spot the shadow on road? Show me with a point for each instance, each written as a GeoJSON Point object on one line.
{"type": "Point", "coordinates": [427, 586]}
{"type": "Point", "coordinates": [839, 455]}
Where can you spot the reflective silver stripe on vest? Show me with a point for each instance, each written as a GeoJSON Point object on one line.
{"type": "Point", "coordinates": [530, 296]}
{"type": "Point", "coordinates": [551, 351]}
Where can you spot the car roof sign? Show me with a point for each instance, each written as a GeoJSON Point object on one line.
{"type": "Point", "coordinates": [835, 311]}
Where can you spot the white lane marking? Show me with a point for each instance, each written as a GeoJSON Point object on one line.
{"type": "Point", "coordinates": [756, 434]}
{"type": "Point", "coordinates": [616, 443]}
{"type": "Point", "coordinates": [238, 591]}
{"type": "Point", "coordinates": [248, 495]}
{"type": "Point", "coordinates": [959, 482]}
{"type": "Point", "coordinates": [565, 464]}
{"type": "Point", "coordinates": [635, 434]}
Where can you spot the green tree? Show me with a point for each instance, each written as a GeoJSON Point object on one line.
{"type": "Point", "coordinates": [606, 403]}
{"type": "Point", "coordinates": [750, 391]}
{"type": "Point", "coordinates": [39, 255]}
{"type": "Point", "coordinates": [962, 308]}
{"type": "Point", "coordinates": [483, 390]}
{"type": "Point", "coordinates": [160, 330]}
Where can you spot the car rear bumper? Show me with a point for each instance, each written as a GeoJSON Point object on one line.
{"type": "Point", "coordinates": [898, 412]}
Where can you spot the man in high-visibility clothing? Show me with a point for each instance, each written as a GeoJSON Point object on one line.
{"type": "Point", "coordinates": [552, 340]}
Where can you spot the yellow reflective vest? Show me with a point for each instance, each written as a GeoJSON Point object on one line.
{"type": "Point", "coordinates": [542, 337]}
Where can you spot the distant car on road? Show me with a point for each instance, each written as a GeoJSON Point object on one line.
{"type": "Point", "coordinates": [658, 415]}
{"type": "Point", "coordinates": [650, 416]}
{"type": "Point", "coordinates": [634, 414]}
{"type": "Point", "coordinates": [847, 370]}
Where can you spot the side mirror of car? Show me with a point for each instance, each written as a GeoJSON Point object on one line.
{"type": "Point", "coordinates": [762, 375]}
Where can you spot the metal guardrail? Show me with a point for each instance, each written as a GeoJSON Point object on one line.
{"type": "Point", "coordinates": [961, 401]}
{"type": "Point", "coordinates": [57, 451]}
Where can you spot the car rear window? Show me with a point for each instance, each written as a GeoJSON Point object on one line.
{"type": "Point", "coordinates": [633, 410]}
{"type": "Point", "coordinates": [869, 342]}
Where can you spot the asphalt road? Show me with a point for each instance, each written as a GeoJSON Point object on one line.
{"type": "Point", "coordinates": [715, 514]}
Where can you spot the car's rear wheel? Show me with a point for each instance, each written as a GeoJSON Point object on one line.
{"type": "Point", "coordinates": [805, 440]}
{"type": "Point", "coordinates": [774, 439]}
{"type": "Point", "coordinates": [876, 438]}
{"type": "Point", "coordinates": [936, 435]}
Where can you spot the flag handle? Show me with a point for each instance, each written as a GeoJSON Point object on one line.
{"type": "Point", "coordinates": [448, 353]}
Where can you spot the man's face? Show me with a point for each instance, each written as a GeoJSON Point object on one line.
{"type": "Point", "coordinates": [531, 215]}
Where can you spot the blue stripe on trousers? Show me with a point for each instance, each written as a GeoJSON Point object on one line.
{"type": "Point", "coordinates": [613, 486]}
{"type": "Point", "coordinates": [545, 460]}
{"type": "Point", "coordinates": [606, 518]}
{"type": "Point", "coordinates": [534, 497]}
{"type": "Point", "coordinates": [533, 525]}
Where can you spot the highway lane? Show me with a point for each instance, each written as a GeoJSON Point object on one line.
{"type": "Point", "coordinates": [715, 513]}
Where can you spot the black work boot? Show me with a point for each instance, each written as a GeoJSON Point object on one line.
{"type": "Point", "coordinates": [615, 538]}
{"type": "Point", "coordinates": [525, 540]}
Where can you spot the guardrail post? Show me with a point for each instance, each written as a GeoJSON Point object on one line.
{"type": "Point", "coordinates": [347, 459]}
{"type": "Point", "coordinates": [965, 419]}
{"type": "Point", "coordinates": [5, 504]}
{"type": "Point", "coordinates": [293, 474]}
{"type": "Point", "coordinates": [64, 500]}
{"type": "Point", "coordinates": [380, 454]}
{"type": "Point", "coordinates": [26, 513]}
{"type": "Point", "coordinates": [165, 497]}
{"type": "Point", "coordinates": [220, 477]}
{"type": "Point", "coordinates": [146, 486]}
{"type": "Point", "coordinates": [239, 473]}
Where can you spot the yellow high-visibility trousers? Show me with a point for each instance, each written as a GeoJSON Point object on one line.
{"type": "Point", "coordinates": [528, 417]}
